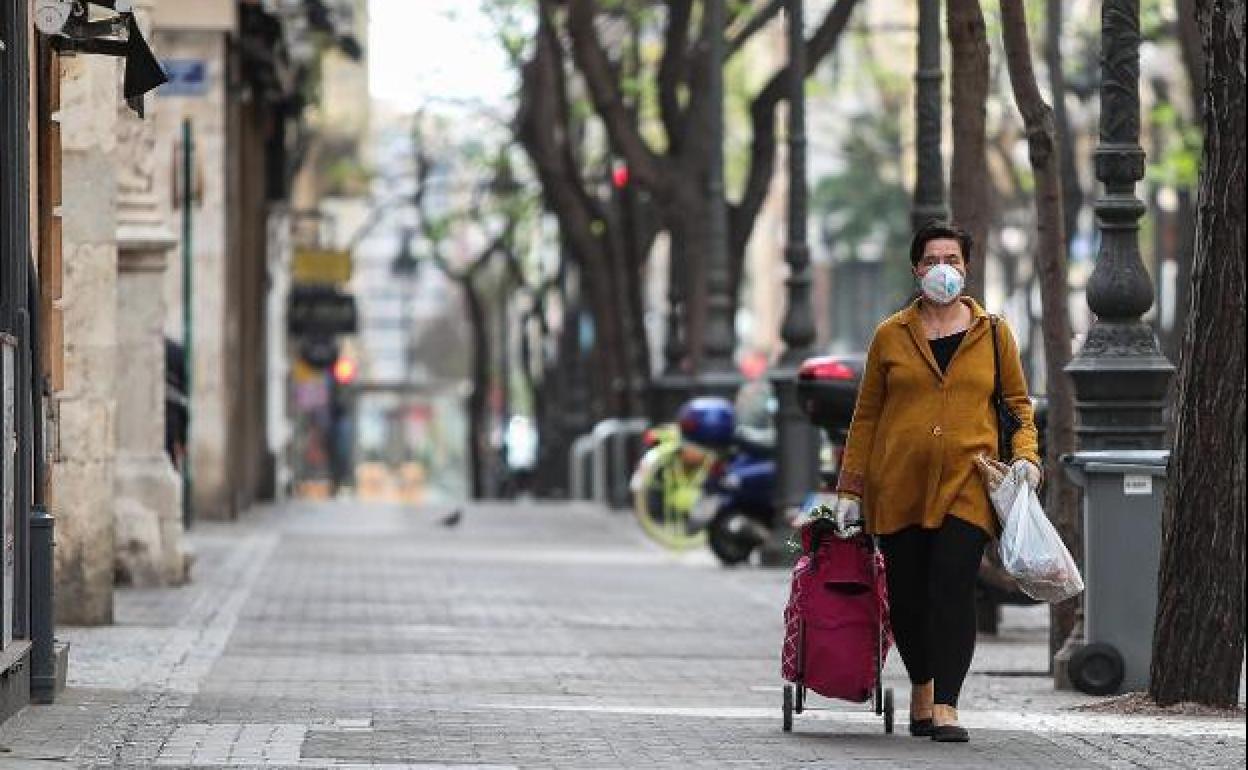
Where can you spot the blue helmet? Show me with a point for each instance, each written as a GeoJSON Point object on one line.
{"type": "Point", "coordinates": [708, 421]}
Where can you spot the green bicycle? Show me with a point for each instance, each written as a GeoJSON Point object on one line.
{"type": "Point", "coordinates": [667, 490]}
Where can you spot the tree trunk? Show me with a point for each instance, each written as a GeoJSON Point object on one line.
{"type": "Point", "coordinates": [687, 223]}
{"type": "Point", "coordinates": [1062, 499]}
{"type": "Point", "coordinates": [968, 177]}
{"type": "Point", "coordinates": [1072, 192]}
{"type": "Point", "coordinates": [641, 233]}
{"type": "Point", "coordinates": [477, 437]}
{"type": "Point", "coordinates": [1189, 35]}
{"type": "Point", "coordinates": [1200, 605]}
{"type": "Point", "coordinates": [544, 128]}
{"type": "Point", "coordinates": [1190, 46]}
{"type": "Point", "coordinates": [626, 255]}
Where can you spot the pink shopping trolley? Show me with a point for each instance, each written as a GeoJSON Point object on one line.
{"type": "Point", "coordinates": [837, 634]}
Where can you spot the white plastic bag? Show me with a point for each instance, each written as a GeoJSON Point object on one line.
{"type": "Point", "coordinates": [1031, 550]}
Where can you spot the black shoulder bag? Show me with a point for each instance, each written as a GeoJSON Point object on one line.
{"type": "Point", "coordinates": [1007, 422]}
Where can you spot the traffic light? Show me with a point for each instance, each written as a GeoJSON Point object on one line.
{"type": "Point", "coordinates": [619, 176]}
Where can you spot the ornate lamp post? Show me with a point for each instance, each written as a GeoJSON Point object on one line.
{"type": "Point", "coordinates": [929, 186]}
{"type": "Point", "coordinates": [797, 455]}
{"type": "Point", "coordinates": [719, 374]}
{"type": "Point", "coordinates": [1120, 374]}
{"type": "Point", "coordinates": [404, 268]}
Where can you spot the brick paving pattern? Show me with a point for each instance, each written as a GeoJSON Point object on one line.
{"type": "Point", "coordinates": [341, 635]}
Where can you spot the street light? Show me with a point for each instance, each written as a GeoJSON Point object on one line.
{"type": "Point", "coordinates": [797, 455]}
{"type": "Point", "coordinates": [1120, 374]}
{"type": "Point", "coordinates": [405, 267]}
{"type": "Point", "coordinates": [718, 375]}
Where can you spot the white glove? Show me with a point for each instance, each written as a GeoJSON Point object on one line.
{"type": "Point", "coordinates": [1027, 471]}
{"type": "Point", "coordinates": [848, 516]}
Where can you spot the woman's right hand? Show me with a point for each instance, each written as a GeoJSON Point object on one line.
{"type": "Point", "coordinates": [848, 515]}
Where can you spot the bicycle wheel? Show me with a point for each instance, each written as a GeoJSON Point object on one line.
{"type": "Point", "coordinates": [664, 496]}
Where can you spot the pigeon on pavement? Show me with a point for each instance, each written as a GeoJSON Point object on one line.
{"type": "Point", "coordinates": [453, 518]}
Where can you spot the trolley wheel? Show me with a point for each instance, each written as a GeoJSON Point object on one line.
{"type": "Point", "coordinates": [888, 711]}
{"type": "Point", "coordinates": [1097, 669]}
{"type": "Point", "coordinates": [800, 705]}
{"type": "Point", "coordinates": [788, 708]}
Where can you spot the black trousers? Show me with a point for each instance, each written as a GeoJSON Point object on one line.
{"type": "Point", "coordinates": [931, 594]}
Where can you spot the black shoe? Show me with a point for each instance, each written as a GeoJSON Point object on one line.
{"type": "Point", "coordinates": [950, 734]}
{"type": "Point", "coordinates": [921, 728]}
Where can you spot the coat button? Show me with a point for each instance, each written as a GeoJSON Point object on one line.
{"type": "Point", "coordinates": [936, 431]}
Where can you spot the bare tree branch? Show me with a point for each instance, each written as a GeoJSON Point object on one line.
{"type": "Point", "coordinates": [763, 121]}
{"type": "Point", "coordinates": [595, 67]}
{"type": "Point", "coordinates": [674, 69]}
{"type": "Point", "coordinates": [738, 39]}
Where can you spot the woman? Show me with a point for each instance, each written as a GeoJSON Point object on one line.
{"type": "Point", "coordinates": [923, 414]}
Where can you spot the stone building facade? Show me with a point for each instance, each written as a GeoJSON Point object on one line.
{"type": "Point", "coordinates": [86, 405]}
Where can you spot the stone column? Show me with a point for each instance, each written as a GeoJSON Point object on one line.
{"type": "Point", "coordinates": [82, 473]}
{"type": "Point", "coordinates": [148, 512]}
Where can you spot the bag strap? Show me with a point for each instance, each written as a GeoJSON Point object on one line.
{"type": "Point", "coordinates": [996, 363]}
{"type": "Point", "coordinates": [998, 399]}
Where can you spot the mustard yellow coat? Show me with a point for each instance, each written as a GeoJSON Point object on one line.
{"type": "Point", "coordinates": [915, 434]}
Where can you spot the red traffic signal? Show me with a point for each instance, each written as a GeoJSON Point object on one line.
{"type": "Point", "coordinates": [619, 176]}
{"type": "Point", "coordinates": [344, 371]}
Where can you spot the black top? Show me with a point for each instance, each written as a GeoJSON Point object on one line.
{"type": "Point", "coordinates": [943, 348]}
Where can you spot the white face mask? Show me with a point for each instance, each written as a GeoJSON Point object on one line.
{"type": "Point", "coordinates": [942, 284]}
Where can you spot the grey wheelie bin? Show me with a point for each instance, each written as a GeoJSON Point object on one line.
{"type": "Point", "coordinates": [1123, 491]}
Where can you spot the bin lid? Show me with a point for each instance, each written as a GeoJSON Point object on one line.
{"type": "Point", "coordinates": [1150, 462]}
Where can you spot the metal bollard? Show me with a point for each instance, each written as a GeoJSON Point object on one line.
{"type": "Point", "coordinates": [42, 618]}
{"type": "Point", "coordinates": [580, 479]}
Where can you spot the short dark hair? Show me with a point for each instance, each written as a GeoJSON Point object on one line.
{"type": "Point", "coordinates": [937, 229]}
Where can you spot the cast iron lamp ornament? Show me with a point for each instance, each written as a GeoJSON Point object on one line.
{"type": "Point", "coordinates": [718, 374]}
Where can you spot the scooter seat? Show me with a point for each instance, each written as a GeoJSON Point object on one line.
{"type": "Point", "coordinates": [754, 448]}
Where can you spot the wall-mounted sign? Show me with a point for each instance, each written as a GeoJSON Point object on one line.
{"type": "Point", "coordinates": [323, 266]}
{"type": "Point", "coordinates": [320, 311]}
{"type": "Point", "coordinates": [187, 77]}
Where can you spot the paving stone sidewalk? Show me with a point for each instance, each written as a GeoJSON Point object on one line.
{"type": "Point", "coordinates": [341, 635]}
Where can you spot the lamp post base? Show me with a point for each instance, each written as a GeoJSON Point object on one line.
{"type": "Point", "coordinates": [797, 466]}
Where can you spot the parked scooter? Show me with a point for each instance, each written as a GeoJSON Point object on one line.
{"type": "Point", "coordinates": [736, 508]}
{"type": "Point", "coordinates": [743, 493]}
